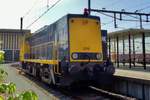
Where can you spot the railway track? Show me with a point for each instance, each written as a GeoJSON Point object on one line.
{"type": "Point", "coordinates": [93, 93]}
{"type": "Point", "coordinates": [88, 93]}
{"type": "Point", "coordinates": [113, 96]}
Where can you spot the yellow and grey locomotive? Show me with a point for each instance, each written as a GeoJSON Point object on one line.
{"type": "Point", "coordinates": [67, 51]}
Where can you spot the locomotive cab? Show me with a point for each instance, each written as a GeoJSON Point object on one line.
{"type": "Point", "coordinates": [86, 61]}
{"type": "Point", "coordinates": [85, 40]}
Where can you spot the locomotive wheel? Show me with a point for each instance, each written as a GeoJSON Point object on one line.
{"type": "Point", "coordinates": [34, 71]}
{"type": "Point", "coordinates": [38, 75]}
{"type": "Point", "coordinates": [46, 76]}
{"type": "Point", "coordinates": [47, 80]}
{"type": "Point", "coordinates": [50, 80]}
{"type": "Point", "coordinates": [28, 68]}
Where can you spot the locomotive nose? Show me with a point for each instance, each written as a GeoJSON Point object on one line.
{"type": "Point", "coordinates": [76, 71]}
{"type": "Point", "coordinates": [103, 74]}
{"type": "Point", "coordinates": [100, 73]}
{"type": "Point", "coordinates": [84, 71]}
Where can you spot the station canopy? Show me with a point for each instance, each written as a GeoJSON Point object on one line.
{"type": "Point", "coordinates": [128, 31]}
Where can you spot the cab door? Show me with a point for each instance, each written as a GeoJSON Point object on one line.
{"type": "Point", "coordinates": [55, 47]}
{"type": "Point", "coordinates": [56, 54]}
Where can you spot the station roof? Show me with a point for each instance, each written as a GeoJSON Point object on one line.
{"type": "Point", "coordinates": [128, 31]}
{"type": "Point", "coordinates": [14, 31]}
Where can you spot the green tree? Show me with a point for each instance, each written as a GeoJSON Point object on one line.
{"type": "Point", "coordinates": [8, 90]}
{"type": "Point", "coordinates": [1, 56]}
{"type": "Point", "coordinates": [3, 75]}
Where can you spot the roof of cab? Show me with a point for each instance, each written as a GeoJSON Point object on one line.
{"type": "Point", "coordinates": [82, 16]}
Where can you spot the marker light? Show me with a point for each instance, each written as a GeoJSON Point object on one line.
{"type": "Point", "coordinates": [74, 55]}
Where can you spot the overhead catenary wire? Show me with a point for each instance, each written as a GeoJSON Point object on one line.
{"type": "Point", "coordinates": [109, 22]}
{"type": "Point", "coordinates": [136, 17]}
{"type": "Point", "coordinates": [137, 6]}
{"type": "Point", "coordinates": [138, 10]}
{"type": "Point", "coordinates": [28, 12]}
{"type": "Point", "coordinates": [119, 18]}
{"type": "Point", "coordinates": [104, 24]}
{"type": "Point", "coordinates": [143, 8]}
{"type": "Point", "coordinates": [112, 3]}
{"type": "Point", "coordinates": [146, 24]}
{"type": "Point", "coordinates": [44, 13]}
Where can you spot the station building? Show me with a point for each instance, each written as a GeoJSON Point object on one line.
{"type": "Point", "coordinates": [10, 42]}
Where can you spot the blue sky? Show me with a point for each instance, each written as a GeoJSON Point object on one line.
{"type": "Point", "coordinates": [64, 7]}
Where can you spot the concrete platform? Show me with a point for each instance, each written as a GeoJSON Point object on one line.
{"type": "Point", "coordinates": [132, 83]}
{"type": "Point", "coordinates": [143, 75]}
{"type": "Point", "coordinates": [137, 67]}
{"type": "Point", "coordinates": [24, 83]}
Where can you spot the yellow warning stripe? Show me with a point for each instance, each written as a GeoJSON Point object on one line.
{"type": "Point", "coordinates": [52, 62]}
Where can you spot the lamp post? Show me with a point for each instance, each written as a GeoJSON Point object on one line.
{"type": "Point", "coordinates": [89, 6]}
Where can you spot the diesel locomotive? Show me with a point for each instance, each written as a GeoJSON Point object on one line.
{"type": "Point", "coordinates": [72, 49]}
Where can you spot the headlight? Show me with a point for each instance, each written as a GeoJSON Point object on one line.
{"type": "Point", "coordinates": [74, 55]}
{"type": "Point", "coordinates": [98, 56]}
